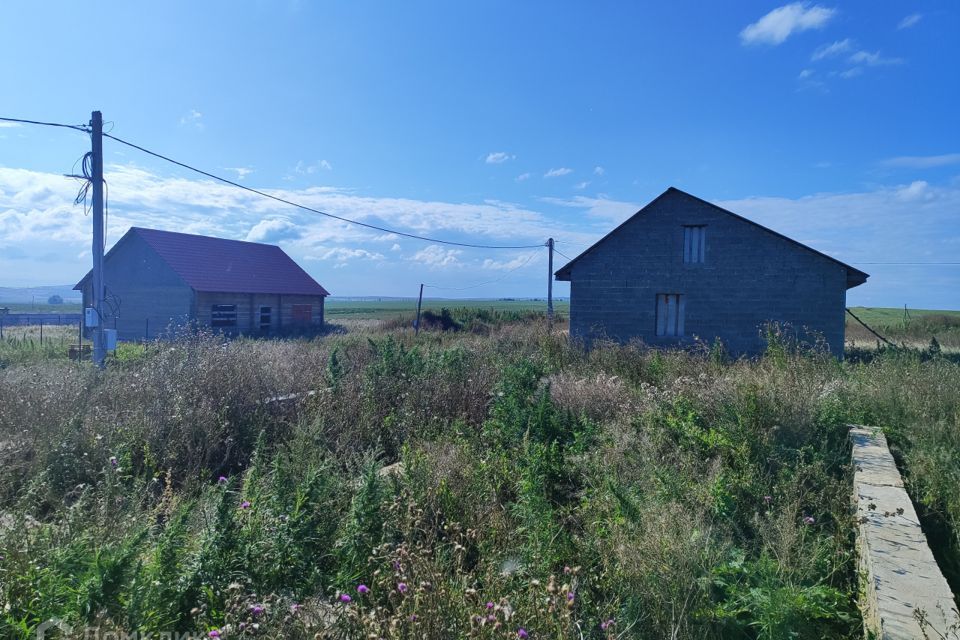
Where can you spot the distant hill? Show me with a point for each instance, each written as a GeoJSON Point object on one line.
{"type": "Point", "coordinates": [27, 295]}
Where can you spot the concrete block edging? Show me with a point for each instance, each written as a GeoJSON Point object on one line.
{"type": "Point", "coordinates": [905, 594]}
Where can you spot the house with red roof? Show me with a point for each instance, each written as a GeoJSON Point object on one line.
{"type": "Point", "coordinates": [157, 281]}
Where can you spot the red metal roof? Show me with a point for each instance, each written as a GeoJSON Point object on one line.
{"type": "Point", "coordinates": [230, 266]}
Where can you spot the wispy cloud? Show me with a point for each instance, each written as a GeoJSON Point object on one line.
{"type": "Point", "coordinates": [598, 170]}
{"type": "Point", "coordinates": [582, 185]}
{"type": "Point", "coordinates": [556, 173]}
{"type": "Point", "coordinates": [851, 73]}
{"type": "Point", "coordinates": [345, 254]}
{"type": "Point", "coordinates": [498, 157]}
{"type": "Point", "coordinates": [242, 172]}
{"type": "Point", "coordinates": [922, 162]}
{"type": "Point", "coordinates": [910, 21]}
{"type": "Point", "coordinates": [779, 24]}
{"type": "Point", "coordinates": [830, 50]}
{"type": "Point", "coordinates": [872, 59]}
{"type": "Point", "coordinates": [194, 118]}
{"type": "Point", "coordinates": [600, 207]}
{"type": "Point", "coordinates": [304, 168]}
{"type": "Point", "coordinates": [520, 260]}
{"type": "Point", "coordinates": [436, 256]}
{"type": "Point", "coordinates": [806, 73]}
{"type": "Point", "coordinates": [522, 177]}
{"type": "Point", "coordinates": [9, 125]}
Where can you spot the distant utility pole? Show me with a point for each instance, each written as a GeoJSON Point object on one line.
{"type": "Point", "coordinates": [550, 282]}
{"type": "Point", "coordinates": [416, 325]}
{"type": "Point", "coordinates": [96, 135]}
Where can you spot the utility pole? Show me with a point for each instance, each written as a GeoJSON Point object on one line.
{"type": "Point", "coordinates": [550, 282]}
{"type": "Point", "coordinates": [416, 325]}
{"type": "Point", "coordinates": [96, 135]}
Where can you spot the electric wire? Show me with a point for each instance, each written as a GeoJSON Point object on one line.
{"type": "Point", "coordinates": [555, 250]}
{"type": "Point", "coordinates": [317, 211]}
{"type": "Point", "coordinates": [77, 127]}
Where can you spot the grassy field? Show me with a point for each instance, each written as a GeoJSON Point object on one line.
{"type": "Point", "coordinates": [23, 307]}
{"type": "Point", "coordinates": [461, 484]}
{"type": "Point", "coordinates": [391, 309]}
{"type": "Point", "coordinates": [916, 328]}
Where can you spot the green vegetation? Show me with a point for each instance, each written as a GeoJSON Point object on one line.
{"type": "Point", "coordinates": [474, 482]}
{"type": "Point", "coordinates": [390, 309]}
{"type": "Point", "coordinates": [916, 327]}
{"type": "Point", "coordinates": [41, 307]}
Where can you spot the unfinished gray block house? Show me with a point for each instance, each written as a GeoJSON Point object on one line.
{"type": "Point", "coordinates": [157, 281]}
{"type": "Point", "coordinates": [683, 269]}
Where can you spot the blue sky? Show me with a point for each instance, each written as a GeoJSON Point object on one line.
{"type": "Point", "coordinates": [490, 122]}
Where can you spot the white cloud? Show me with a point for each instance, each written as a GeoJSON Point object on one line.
{"type": "Point", "coordinates": [242, 172]}
{"type": "Point", "coordinates": [806, 73]}
{"type": "Point", "coordinates": [776, 26]}
{"type": "Point", "coordinates": [830, 50]}
{"type": "Point", "coordinates": [273, 230]}
{"type": "Point", "coordinates": [600, 207]}
{"type": "Point", "coordinates": [344, 254]}
{"type": "Point", "coordinates": [872, 59]}
{"type": "Point", "coordinates": [598, 170]}
{"type": "Point", "coordinates": [498, 157]}
{"type": "Point", "coordinates": [309, 169]}
{"type": "Point", "coordinates": [910, 21]}
{"type": "Point", "coordinates": [516, 262]}
{"type": "Point", "coordinates": [851, 73]}
{"type": "Point", "coordinates": [582, 185]}
{"type": "Point", "coordinates": [522, 177]}
{"type": "Point", "coordinates": [193, 118]}
{"type": "Point", "coordinates": [395, 247]}
{"type": "Point", "coordinates": [555, 173]}
{"type": "Point", "coordinates": [923, 162]}
{"type": "Point", "coordinates": [436, 256]}
{"type": "Point", "coordinates": [8, 125]}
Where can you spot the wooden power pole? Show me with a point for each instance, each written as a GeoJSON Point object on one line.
{"type": "Point", "coordinates": [416, 325]}
{"type": "Point", "coordinates": [550, 282]}
{"type": "Point", "coordinates": [96, 135]}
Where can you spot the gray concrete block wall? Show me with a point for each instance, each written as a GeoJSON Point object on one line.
{"type": "Point", "coordinates": [145, 294]}
{"type": "Point", "coordinates": [749, 277]}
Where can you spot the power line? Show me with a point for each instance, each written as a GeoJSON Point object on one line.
{"type": "Point", "coordinates": [318, 211]}
{"type": "Point", "coordinates": [915, 264]}
{"type": "Point", "coordinates": [78, 127]}
{"type": "Point", "coordinates": [555, 250]}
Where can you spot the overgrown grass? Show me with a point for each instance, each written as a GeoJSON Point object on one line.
{"type": "Point", "coordinates": [474, 485]}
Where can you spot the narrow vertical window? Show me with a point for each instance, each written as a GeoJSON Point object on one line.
{"type": "Point", "coordinates": [265, 317]}
{"type": "Point", "coordinates": [670, 312]}
{"type": "Point", "coordinates": [694, 243]}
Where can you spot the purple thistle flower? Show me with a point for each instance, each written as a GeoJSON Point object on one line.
{"type": "Point", "coordinates": [808, 520]}
{"type": "Point", "coordinates": [214, 633]}
{"type": "Point", "coordinates": [606, 625]}
{"type": "Point", "coordinates": [522, 633]}
{"type": "Point", "coordinates": [113, 461]}
{"type": "Point", "coordinates": [222, 480]}
{"type": "Point", "coordinates": [489, 605]}
{"type": "Point", "coordinates": [256, 609]}
{"type": "Point", "coordinates": [245, 504]}
{"type": "Point", "coordinates": [345, 599]}
{"type": "Point", "coordinates": [363, 589]}
{"type": "Point", "coordinates": [295, 607]}
{"type": "Point", "coordinates": [768, 499]}
{"type": "Point", "coordinates": [413, 617]}
{"type": "Point", "coordinates": [402, 587]}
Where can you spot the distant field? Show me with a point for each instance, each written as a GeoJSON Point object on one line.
{"type": "Point", "coordinates": [390, 308]}
{"type": "Point", "coordinates": [26, 307]}
{"type": "Point", "coordinates": [915, 328]}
